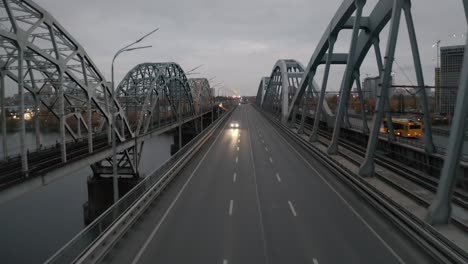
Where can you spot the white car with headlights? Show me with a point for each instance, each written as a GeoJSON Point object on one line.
{"type": "Point", "coordinates": [234, 124]}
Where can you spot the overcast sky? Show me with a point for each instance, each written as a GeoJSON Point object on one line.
{"type": "Point", "coordinates": [238, 42]}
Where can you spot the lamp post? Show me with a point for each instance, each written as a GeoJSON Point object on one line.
{"type": "Point", "coordinates": [115, 181]}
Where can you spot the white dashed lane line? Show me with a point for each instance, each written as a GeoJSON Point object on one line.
{"type": "Point", "coordinates": [271, 160]}
{"type": "Point", "coordinates": [293, 211]}
{"type": "Point", "coordinates": [278, 177]}
{"type": "Point", "coordinates": [237, 159]}
{"type": "Point", "coordinates": [234, 177]}
{"type": "Point", "coordinates": [231, 205]}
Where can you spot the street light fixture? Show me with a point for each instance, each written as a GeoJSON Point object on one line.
{"type": "Point", "coordinates": [127, 48]}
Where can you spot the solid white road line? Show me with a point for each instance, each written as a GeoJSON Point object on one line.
{"type": "Point", "coordinates": [339, 196]}
{"type": "Point", "coordinates": [278, 177]}
{"type": "Point", "coordinates": [231, 204]}
{"type": "Point", "coordinates": [237, 159]}
{"type": "Point", "coordinates": [315, 261]}
{"type": "Point", "coordinates": [292, 208]}
{"type": "Point", "coordinates": [271, 160]}
{"type": "Point", "coordinates": [259, 206]}
{"type": "Point", "coordinates": [156, 228]}
{"type": "Point", "coordinates": [234, 177]}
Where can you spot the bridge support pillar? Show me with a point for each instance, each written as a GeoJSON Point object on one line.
{"type": "Point", "coordinates": [183, 135]}
{"type": "Point", "coordinates": [101, 195]}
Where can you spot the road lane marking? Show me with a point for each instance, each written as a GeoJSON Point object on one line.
{"type": "Point", "coordinates": [313, 260]}
{"type": "Point", "coordinates": [259, 206]}
{"type": "Point", "coordinates": [231, 204]}
{"type": "Point", "coordinates": [226, 262]}
{"type": "Point", "coordinates": [271, 160]}
{"type": "Point", "coordinates": [292, 208]}
{"type": "Point", "coordinates": [156, 228]}
{"type": "Point", "coordinates": [338, 194]}
{"type": "Point", "coordinates": [234, 177]}
{"type": "Point", "coordinates": [263, 141]}
{"type": "Point", "coordinates": [237, 159]}
{"type": "Point", "coordinates": [237, 148]}
{"type": "Point", "coordinates": [266, 149]}
{"type": "Point", "coordinates": [238, 141]}
{"type": "Point", "coordinates": [278, 177]}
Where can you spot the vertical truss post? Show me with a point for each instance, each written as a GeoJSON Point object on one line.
{"type": "Point", "coordinates": [158, 111]}
{"type": "Point", "coordinates": [3, 114]}
{"type": "Point", "coordinates": [90, 125]}
{"type": "Point", "coordinates": [179, 111]}
{"type": "Point", "coordinates": [37, 128]}
{"type": "Point", "coordinates": [78, 123]}
{"type": "Point", "coordinates": [305, 108]}
{"type": "Point", "coordinates": [427, 135]}
{"type": "Point", "coordinates": [318, 110]}
{"type": "Point", "coordinates": [365, 126]}
{"type": "Point", "coordinates": [367, 168]}
{"type": "Point", "coordinates": [89, 110]}
{"type": "Point", "coordinates": [110, 119]}
{"type": "Point", "coordinates": [63, 146]}
{"type": "Point", "coordinates": [347, 81]}
{"type": "Point", "coordinates": [388, 115]}
{"type": "Point", "coordinates": [440, 210]}
{"type": "Point", "coordinates": [24, 156]}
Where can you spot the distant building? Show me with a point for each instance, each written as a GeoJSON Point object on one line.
{"type": "Point", "coordinates": [437, 89]}
{"type": "Point", "coordinates": [451, 59]}
{"type": "Point", "coordinates": [371, 87]}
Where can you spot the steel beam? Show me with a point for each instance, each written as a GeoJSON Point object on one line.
{"type": "Point", "coordinates": [427, 135]}
{"type": "Point", "coordinates": [318, 110]}
{"type": "Point", "coordinates": [347, 81]}
{"type": "Point", "coordinates": [367, 168]}
{"type": "Point", "coordinates": [3, 114]}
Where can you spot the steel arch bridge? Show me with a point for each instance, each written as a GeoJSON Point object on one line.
{"type": "Point", "coordinates": [41, 60]}
{"type": "Point", "coordinates": [276, 93]}
{"type": "Point", "coordinates": [366, 31]}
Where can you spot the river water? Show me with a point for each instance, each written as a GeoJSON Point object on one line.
{"type": "Point", "coordinates": [35, 225]}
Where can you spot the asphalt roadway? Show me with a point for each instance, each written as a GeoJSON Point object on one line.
{"type": "Point", "coordinates": [252, 196]}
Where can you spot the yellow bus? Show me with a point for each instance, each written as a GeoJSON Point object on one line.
{"type": "Point", "coordinates": [403, 127]}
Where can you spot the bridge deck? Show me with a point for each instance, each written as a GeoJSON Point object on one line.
{"type": "Point", "coordinates": [251, 197]}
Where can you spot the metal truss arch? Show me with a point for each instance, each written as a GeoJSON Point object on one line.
{"type": "Point", "coordinates": [146, 87]}
{"type": "Point", "coordinates": [201, 94]}
{"type": "Point", "coordinates": [284, 80]}
{"type": "Point", "coordinates": [42, 58]}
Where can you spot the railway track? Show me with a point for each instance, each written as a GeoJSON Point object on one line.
{"type": "Point", "coordinates": [427, 182]}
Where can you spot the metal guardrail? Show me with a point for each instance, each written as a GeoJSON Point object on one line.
{"type": "Point", "coordinates": [421, 232]}
{"type": "Point", "coordinates": [152, 185]}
